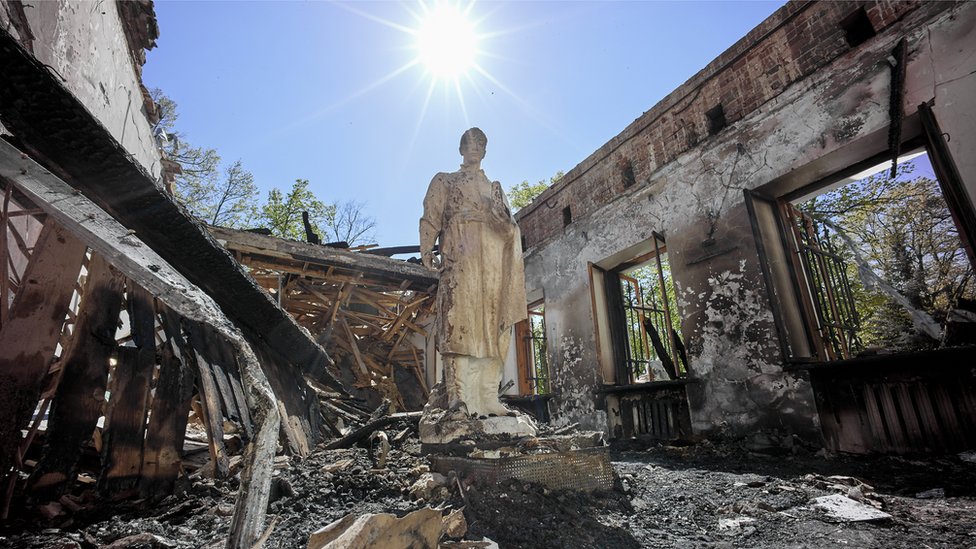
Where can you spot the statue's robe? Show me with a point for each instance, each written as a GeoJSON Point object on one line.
{"type": "Point", "coordinates": [481, 293]}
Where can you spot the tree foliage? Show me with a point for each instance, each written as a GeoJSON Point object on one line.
{"type": "Point", "coordinates": [282, 212]}
{"type": "Point", "coordinates": [333, 222]}
{"type": "Point", "coordinates": [230, 197]}
{"type": "Point", "coordinates": [903, 230]}
{"type": "Point", "coordinates": [225, 197]}
{"type": "Point", "coordinates": [521, 195]}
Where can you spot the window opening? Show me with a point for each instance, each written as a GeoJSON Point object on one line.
{"type": "Point", "coordinates": [532, 353]}
{"type": "Point", "coordinates": [857, 28]}
{"type": "Point", "coordinates": [881, 261]}
{"type": "Point", "coordinates": [652, 345]}
{"type": "Point", "coordinates": [716, 119]}
{"type": "Point", "coordinates": [567, 216]}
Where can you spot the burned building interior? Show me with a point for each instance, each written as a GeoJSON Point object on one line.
{"type": "Point", "coordinates": [760, 295]}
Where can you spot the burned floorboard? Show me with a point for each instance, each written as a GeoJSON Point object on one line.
{"type": "Point", "coordinates": [128, 405]}
{"type": "Point", "coordinates": [32, 330]}
{"type": "Point", "coordinates": [79, 399]}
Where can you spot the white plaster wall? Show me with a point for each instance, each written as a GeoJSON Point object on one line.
{"type": "Point", "coordinates": [84, 43]}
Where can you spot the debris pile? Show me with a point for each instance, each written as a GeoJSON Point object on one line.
{"type": "Point", "coordinates": [705, 496]}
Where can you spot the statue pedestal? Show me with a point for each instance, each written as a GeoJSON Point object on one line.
{"type": "Point", "coordinates": [567, 462]}
{"type": "Point", "coordinates": [488, 450]}
{"type": "Point", "coordinates": [446, 428]}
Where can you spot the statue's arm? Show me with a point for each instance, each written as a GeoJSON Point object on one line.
{"type": "Point", "coordinates": [498, 194]}
{"type": "Point", "coordinates": [430, 222]}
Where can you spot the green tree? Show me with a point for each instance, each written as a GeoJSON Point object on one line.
{"type": "Point", "coordinates": [282, 213]}
{"type": "Point", "coordinates": [228, 198]}
{"type": "Point", "coordinates": [902, 230]}
{"type": "Point", "coordinates": [233, 202]}
{"type": "Point", "coordinates": [521, 195]}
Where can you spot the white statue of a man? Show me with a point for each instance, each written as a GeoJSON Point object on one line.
{"type": "Point", "coordinates": [481, 293]}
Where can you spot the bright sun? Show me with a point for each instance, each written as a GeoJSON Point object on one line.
{"type": "Point", "coordinates": [446, 42]}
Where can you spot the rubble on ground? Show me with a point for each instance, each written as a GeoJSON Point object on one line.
{"type": "Point", "coordinates": [666, 496]}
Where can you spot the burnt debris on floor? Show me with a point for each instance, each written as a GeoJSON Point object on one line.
{"type": "Point", "coordinates": [666, 496]}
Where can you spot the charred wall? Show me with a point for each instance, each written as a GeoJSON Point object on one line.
{"type": "Point", "coordinates": [798, 102]}
{"type": "Point", "coordinates": [96, 49]}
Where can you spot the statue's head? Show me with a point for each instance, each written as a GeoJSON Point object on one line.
{"type": "Point", "coordinates": [473, 145]}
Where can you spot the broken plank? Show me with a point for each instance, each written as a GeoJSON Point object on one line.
{"type": "Point", "coordinates": [80, 395]}
{"type": "Point", "coordinates": [363, 432]}
{"type": "Point", "coordinates": [170, 410]}
{"type": "Point", "coordinates": [128, 405]}
{"type": "Point", "coordinates": [354, 348]}
{"type": "Point", "coordinates": [32, 330]}
{"type": "Point", "coordinates": [213, 420]}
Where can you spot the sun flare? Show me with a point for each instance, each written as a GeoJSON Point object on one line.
{"type": "Point", "coordinates": [446, 42]}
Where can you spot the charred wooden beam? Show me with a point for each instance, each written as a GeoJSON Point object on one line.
{"type": "Point", "coordinates": [372, 266]}
{"type": "Point", "coordinates": [32, 330]}
{"type": "Point", "coordinates": [170, 411]}
{"type": "Point", "coordinates": [205, 349]}
{"type": "Point", "coordinates": [79, 397]}
{"type": "Point", "coordinates": [128, 404]}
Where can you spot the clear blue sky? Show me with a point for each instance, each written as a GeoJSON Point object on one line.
{"type": "Point", "coordinates": [311, 89]}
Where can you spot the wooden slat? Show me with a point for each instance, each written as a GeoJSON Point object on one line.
{"type": "Point", "coordinates": [226, 393]}
{"type": "Point", "coordinates": [32, 330]}
{"type": "Point", "coordinates": [204, 350]}
{"type": "Point", "coordinates": [875, 420]}
{"type": "Point", "coordinates": [351, 340]}
{"type": "Point", "coordinates": [128, 405]}
{"type": "Point", "coordinates": [4, 263]}
{"type": "Point", "coordinates": [170, 410]}
{"type": "Point", "coordinates": [80, 394]}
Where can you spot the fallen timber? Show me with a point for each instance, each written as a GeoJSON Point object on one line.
{"type": "Point", "coordinates": [368, 310]}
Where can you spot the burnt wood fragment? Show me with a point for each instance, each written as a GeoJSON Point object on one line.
{"type": "Point", "coordinates": [79, 398]}
{"type": "Point", "coordinates": [33, 328]}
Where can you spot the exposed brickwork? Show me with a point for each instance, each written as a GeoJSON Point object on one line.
{"type": "Point", "coordinates": [793, 43]}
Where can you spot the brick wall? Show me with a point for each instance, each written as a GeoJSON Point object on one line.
{"type": "Point", "coordinates": [796, 41]}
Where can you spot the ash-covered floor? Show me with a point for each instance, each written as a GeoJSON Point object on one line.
{"type": "Point", "coordinates": [694, 496]}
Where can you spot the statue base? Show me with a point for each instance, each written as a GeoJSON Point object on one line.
{"type": "Point", "coordinates": [487, 450]}
{"type": "Point", "coordinates": [444, 428]}
{"type": "Point", "coordinates": [571, 462]}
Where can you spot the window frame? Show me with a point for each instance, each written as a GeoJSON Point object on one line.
{"type": "Point", "coordinates": [953, 191]}
{"type": "Point", "coordinates": [527, 349]}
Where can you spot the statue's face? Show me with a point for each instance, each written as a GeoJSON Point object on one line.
{"type": "Point", "coordinates": [472, 151]}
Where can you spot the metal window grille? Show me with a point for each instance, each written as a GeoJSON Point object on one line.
{"type": "Point", "coordinates": [538, 372]}
{"type": "Point", "coordinates": [649, 322]}
{"type": "Point", "coordinates": [824, 273]}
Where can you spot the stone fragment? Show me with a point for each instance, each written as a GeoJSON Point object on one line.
{"type": "Point", "coordinates": [485, 543]}
{"type": "Point", "coordinates": [838, 508]}
{"type": "Point", "coordinates": [427, 486]}
{"type": "Point", "coordinates": [455, 525]}
{"type": "Point", "coordinates": [337, 466]}
{"type": "Point", "coordinates": [417, 530]}
{"type": "Point", "coordinates": [141, 541]}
